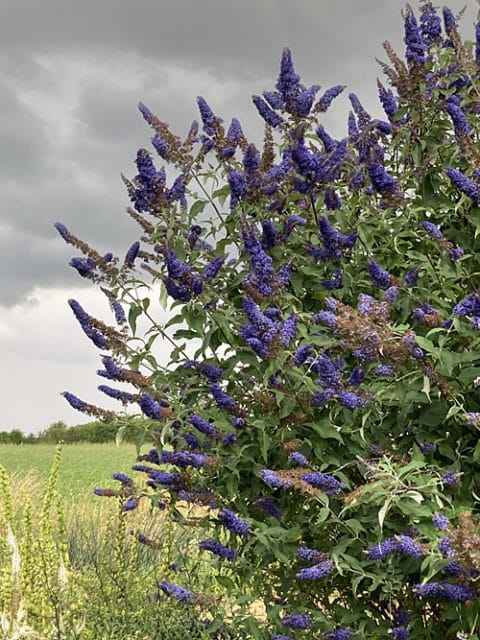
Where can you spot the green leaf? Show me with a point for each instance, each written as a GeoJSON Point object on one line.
{"type": "Point", "coordinates": [197, 207]}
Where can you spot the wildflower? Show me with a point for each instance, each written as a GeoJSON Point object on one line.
{"type": "Point", "coordinates": [271, 478]}
{"type": "Point", "coordinates": [445, 548]}
{"type": "Point", "coordinates": [454, 568]}
{"type": "Point", "coordinates": [440, 521]}
{"type": "Point", "coordinates": [450, 477]}
{"type": "Point", "coordinates": [464, 184]}
{"type": "Point", "coordinates": [380, 278]}
{"type": "Point", "coordinates": [130, 504]}
{"type": "Point", "coordinates": [117, 394]}
{"type": "Point", "coordinates": [202, 425]}
{"type": "Point", "coordinates": [415, 47]}
{"type": "Point", "coordinates": [381, 181]}
{"type": "Point", "coordinates": [219, 549]}
{"type": "Point", "coordinates": [444, 591]}
{"type": "Point", "coordinates": [288, 81]}
{"type": "Point", "coordinates": [430, 26]}
{"type": "Point", "coordinates": [269, 507]}
{"type": "Point", "coordinates": [310, 555]}
{"type": "Point", "coordinates": [384, 370]}
{"type": "Point", "coordinates": [73, 401]}
{"type": "Point", "coordinates": [400, 633]}
{"type": "Point", "coordinates": [298, 458]}
{"type": "Point", "coordinates": [351, 400]}
{"type": "Point", "coordinates": [223, 400]}
{"type": "Point", "coordinates": [84, 266]}
{"type": "Point", "coordinates": [299, 621]}
{"type": "Point", "coordinates": [391, 294]}
{"type": "Point", "coordinates": [356, 377]}
{"type": "Point", "coordinates": [150, 407]}
{"type": "Point", "coordinates": [328, 483]}
{"type": "Point", "coordinates": [317, 571]}
{"type": "Point", "coordinates": [342, 633]}
{"type": "Point", "coordinates": [63, 231]}
{"type": "Point", "coordinates": [234, 523]}
{"type": "Point", "coordinates": [124, 479]}
{"type": "Point", "coordinates": [449, 20]}
{"type": "Point", "coordinates": [267, 113]}
{"type": "Point", "coordinates": [326, 318]}
{"type": "Point", "coordinates": [132, 253]}
{"type": "Point", "coordinates": [179, 593]}
{"type": "Point", "coordinates": [327, 98]}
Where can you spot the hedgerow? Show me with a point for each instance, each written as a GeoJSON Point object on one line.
{"type": "Point", "coordinates": [320, 408]}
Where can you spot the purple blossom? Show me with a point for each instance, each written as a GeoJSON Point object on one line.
{"type": "Point", "coordinates": [317, 571]}
{"type": "Point", "coordinates": [281, 636]}
{"type": "Point", "coordinates": [112, 370]}
{"type": "Point", "coordinates": [298, 458]}
{"type": "Point", "coordinates": [74, 402]}
{"type": "Point", "coordinates": [444, 591]}
{"type": "Point", "coordinates": [328, 97]}
{"type": "Point", "coordinates": [380, 278]}
{"type": "Point", "coordinates": [288, 330]}
{"type": "Point", "coordinates": [161, 146]}
{"type": "Point", "coordinates": [335, 282]}
{"type": "Point", "coordinates": [202, 425]}
{"type": "Point", "coordinates": [460, 123]}
{"type": "Point", "coordinates": [469, 306]}
{"type": "Point", "coordinates": [302, 355]}
{"type": "Point", "coordinates": [454, 568]}
{"type": "Point", "coordinates": [445, 548]}
{"type": "Point", "coordinates": [132, 253]}
{"type": "Point", "coordinates": [267, 113]}
{"type": "Point", "coordinates": [299, 621]}
{"type": "Point", "coordinates": [150, 407]}
{"type": "Point", "coordinates": [427, 447]}
{"type": "Point", "coordinates": [119, 312]}
{"type": "Point", "coordinates": [238, 187]}
{"type": "Point", "coordinates": [219, 549]}
{"type": "Point", "coordinates": [440, 521]}
{"type": "Point", "coordinates": [411, 277]}
{"type": "Point", "coordinates": [432, 230]}
{"type": "Point", "coordinates": [310, 555]}
{"type": "Point", "coordinates": [63, 231]}
{"type": "Point", "coordinates": [391, 294]}
{"type": "Point", "coordinates": [400, 633]}
{"type": "Point", "coordinates": [234, 523]}
{"type": "Point", "coordinates": [477, 41]}
{"type": "Point", "coordinates": [223, 400]}
{"type": "Point", "coordinates": [271, 478]}
{"type": "Point", "coordinates": [123, 478]}
{"type": "Point", "coordinates": [449, 21]}
{"type": "Point", "coordinates": [324, 481]}
{"type": "Point", "coordinates": [430, 26]}
{"type": "Point", "coordinates": [341, 633]}
{"type": "Point", "coordinates": [384, 370]}
{"type": "Point", "coordinates": [130, 504]}
{"type": "Point", "coordinates": [415, 47]}
{"type": "Point", "coordinates": [326, 318]}
{"type": "Point", "coordinates": [450, 477]}
{"type": "Point", "coordinates": [209, 119]}
{"type": "Point", "coordinates": [356, 376]}
{"type": "Point", "coordinates": [388, 100]}
{"type": "Point", "coordinates": [179, 593]}
{"type": "Point", "coordinates": [269, 507]}
{"type": "Point", "coordinates": [381, 181]}
{"type": "Point", "coordinates": [399, 544]}
{"type": "Point", "coordinates": [84, 266]}
{"type": "Point", "coordinates": [332, 199]}
{"type": "Point", "coordinates": [464, 184]}
{"type": "Point", "coordinates": [116, 394]}
{"type": "Point", "coordinates": [351, 400]}
{"type": "Point", "coordinates": [288, 81]}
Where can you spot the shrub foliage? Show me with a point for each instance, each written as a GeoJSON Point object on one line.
{"type": "Point", "coordinates": [320, 407]}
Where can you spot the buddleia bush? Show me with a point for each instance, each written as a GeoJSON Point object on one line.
{"type": "Point", "coordinates": [318, 417]}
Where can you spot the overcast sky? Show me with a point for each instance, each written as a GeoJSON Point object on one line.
{"type": "Point", "coordinates": [71, 75]}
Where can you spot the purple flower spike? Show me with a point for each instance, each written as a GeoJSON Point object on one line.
{"type": "Point", "coordinates": [63, 231]}
{"type": "Point", "coordinates": [464, 184]}
{"type": "Point", "coordinates": [288, 81]}
{"type": "Point", "coordinates": [219, 549]}
{"type": "Point", "coordinates": [380, 278]}
{"type": "Point", "coordinates": [299, 621]}
{"type": "Point", "coordinates": [234, 523]}
{"type": "Point", "coordinates": [267, 113]}
{"type": "Point", "coordinates": [179, 593]}
{"type": "Point", "coordinates": [342, 633]}
{"type": "Point", "coordinates": [150, 407]}
{"type": "Point", "coordinates": [317, 572]}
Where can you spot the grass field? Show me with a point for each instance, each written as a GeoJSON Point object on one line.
{"type": "Point", "coordinates": [83, 466]}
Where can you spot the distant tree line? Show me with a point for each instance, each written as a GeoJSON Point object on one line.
{"type": "Point", "coordinates": [94, 432]}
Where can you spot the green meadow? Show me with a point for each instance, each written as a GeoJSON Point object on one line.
{"type": "Point", "coordinates": [82, 468]}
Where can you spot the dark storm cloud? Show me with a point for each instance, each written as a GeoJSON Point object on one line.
{"type": "Point", "coordinates": [71, 74]}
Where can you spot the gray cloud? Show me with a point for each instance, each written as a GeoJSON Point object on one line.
{"type": "Point", "coordinates": [71, 74]}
